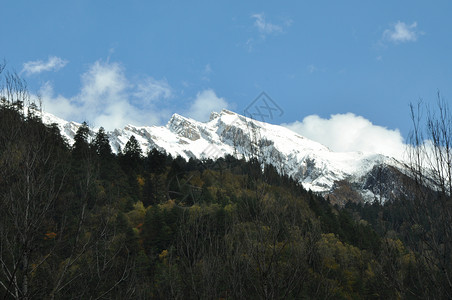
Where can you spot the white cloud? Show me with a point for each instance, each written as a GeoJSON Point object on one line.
{"type": "Point", "coordinates": [265, 27]}
{"type": "Point", "coordinates": [52, 64]}
{"type": "Point", "coordinates": [348, 132]}
{"type": "Point", "coordinates": [150, 90]}
{"type": "Point", "coordinates": [402, 33]}
{"type": "Point", "coordinates": [102, 83]}
{"type": "Point", "coordinates": [107, 98]}
{"type": "Point", "coordinates": [205, 103]}
{"type": "Point", "coordinates": [60, 106]}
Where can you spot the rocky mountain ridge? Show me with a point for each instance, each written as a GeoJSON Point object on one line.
{"type": "Point", "coordinates": [340, 175]}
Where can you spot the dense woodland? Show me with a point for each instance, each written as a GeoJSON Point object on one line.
{"type": "Point", "coordinates": [79, 222]}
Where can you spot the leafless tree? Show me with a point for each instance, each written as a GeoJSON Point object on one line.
{"type": "Point", "coordinates": [31, 178]}
{"type": "Point", "coordinates": [429, 206]}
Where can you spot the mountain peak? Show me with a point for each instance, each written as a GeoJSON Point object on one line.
{"type": "Point", "coordinates": [214, 115]}
{"type": "Point", "coordinates": [183, 126]}
{"type": "Point", "coordinates": [228, 112]}
{"type": "Point", "coordinates": [177, 117]}
{"type": "Point", "coordinates": [224, 112]}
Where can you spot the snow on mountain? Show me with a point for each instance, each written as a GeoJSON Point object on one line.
{"type": "Point", "coordinates": [314, 165]}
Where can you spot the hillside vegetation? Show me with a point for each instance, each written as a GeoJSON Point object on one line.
{"type": "Point", "coordinates": [80, 222]}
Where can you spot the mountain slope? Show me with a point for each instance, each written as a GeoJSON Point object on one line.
{"type": "Point", "coordinates": [314, 165]}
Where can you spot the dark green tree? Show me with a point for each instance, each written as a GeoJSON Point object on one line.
{"type": "Point", "coordinates": [101, 144]}
{"type": "Point", "coordinates": [132, 150]}
{"type": "Point", "coordinates": [131, 158]}
{"type": "Point", "coordinates": [156, 161]}
{"type": "Point", "coordinates": [81, 147]}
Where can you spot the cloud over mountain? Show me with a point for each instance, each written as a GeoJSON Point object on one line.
{"type": "Point", "coordinates": [349, 132]}
{"type": "Point", "coordinates": [205, 103]}
{"type": "Point", "coordinates": [108, 98]}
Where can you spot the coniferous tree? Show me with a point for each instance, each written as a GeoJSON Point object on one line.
{"type": "Point", "coordinates": [101, 144]}
{"type": "Point", "coordinates": [81, 145]}
{"type": "Point", "coordinates": [156, 161]}
{"type": "Point", "coordinates": [132, 149]}
{"type": "Point", "coordinates": [131, 155]}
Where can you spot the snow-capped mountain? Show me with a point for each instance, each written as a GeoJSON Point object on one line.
{"type": "Point", "coordinates": [341, 175]}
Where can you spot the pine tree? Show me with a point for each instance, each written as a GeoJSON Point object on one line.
{"type": "Point", "coordinates": [156, 161]}
{"type": "Point", "coordinates": [101, 144]}
{"type": "Point", "coordinates": [132, 150]}
{"type": "Point", "coordinates": [81, 146]}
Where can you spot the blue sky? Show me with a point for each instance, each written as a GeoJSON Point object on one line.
{"type": "Point", "coordinates": [118, 62]}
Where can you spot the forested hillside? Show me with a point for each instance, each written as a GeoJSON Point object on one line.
{"type": "Point", "coordinates": [80, 222]}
